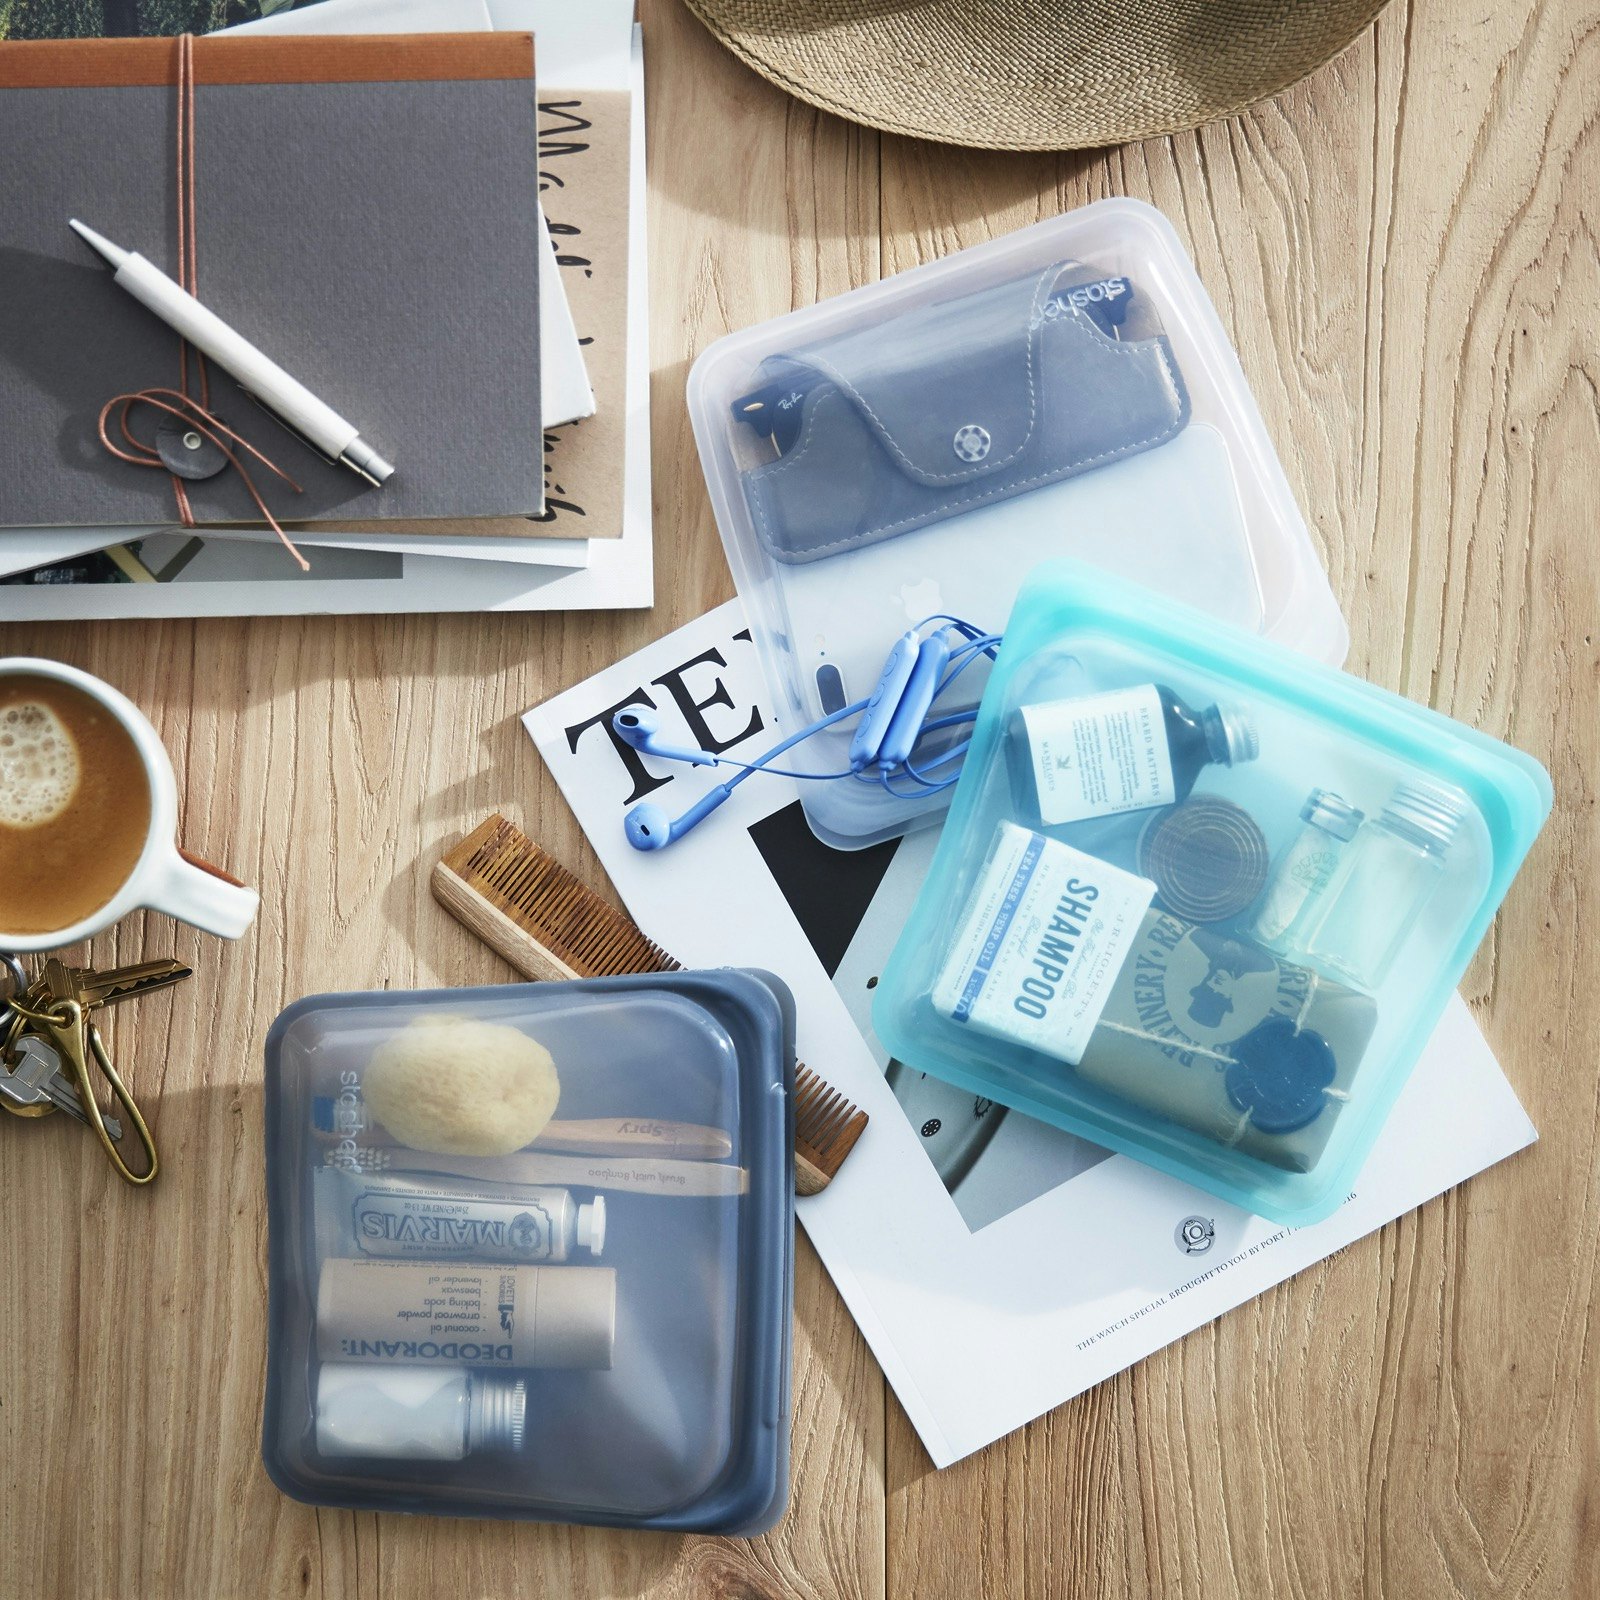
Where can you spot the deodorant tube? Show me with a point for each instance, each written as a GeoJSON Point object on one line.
{"type": "Point", "coordinates": [437, 1313]}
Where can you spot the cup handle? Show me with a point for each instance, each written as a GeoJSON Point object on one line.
{"type": "Point", "coordinates": [204, 896]}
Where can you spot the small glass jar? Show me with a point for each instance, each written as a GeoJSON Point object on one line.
{"type": "Point", "coordinates": [1304, 871]}
{"type": "Point", "coordinates": [1388, 876]}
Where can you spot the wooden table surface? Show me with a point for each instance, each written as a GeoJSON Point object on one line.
{"type": "Point", "coordinates": [1406, 250]}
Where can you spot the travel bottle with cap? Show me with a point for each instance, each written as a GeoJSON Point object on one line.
{"type": "Point", "coordinates": [414, 1414]}
{"type": "Point", "coordinates": [1301, 878]}
{"type": "Point", "coordinates": [1388, 876]}
{"type": "Point", "coordinates": [1127, 750]}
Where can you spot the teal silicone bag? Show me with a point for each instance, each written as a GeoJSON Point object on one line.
{"type": "Point", "coordinates": [1200, 899]}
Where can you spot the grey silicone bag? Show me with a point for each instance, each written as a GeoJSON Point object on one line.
{"type": "Point", "coordinates": [954, 406]}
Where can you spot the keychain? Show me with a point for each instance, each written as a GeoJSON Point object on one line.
{"type": "Point", "coordinates": [47, 1039]}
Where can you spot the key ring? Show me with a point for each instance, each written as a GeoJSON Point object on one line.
{"type": "Point", "coordinates": [72, 1034]}
{"type": "Point", "coordinates": [19, 983]}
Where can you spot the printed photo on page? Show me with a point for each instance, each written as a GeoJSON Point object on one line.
{"type": "Point", "coordinates": [957, 1225]}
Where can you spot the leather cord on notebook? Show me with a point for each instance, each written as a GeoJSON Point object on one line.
{"type": "Point", "coordinates": [196, 423]}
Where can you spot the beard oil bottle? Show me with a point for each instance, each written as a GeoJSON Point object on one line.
{"type": "Point", "coordinates": [1126, 750]}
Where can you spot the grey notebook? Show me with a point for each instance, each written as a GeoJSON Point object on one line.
{"type": "Point", "coordinates": [364, 213]}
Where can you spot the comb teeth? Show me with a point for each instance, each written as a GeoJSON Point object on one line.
{"type": "Point", "coordinates": [567, 917]}
{"type": "Point", "coordinates": [826, 1125]}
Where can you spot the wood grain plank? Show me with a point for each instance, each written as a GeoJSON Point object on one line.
{"type": "Point", "coordinates": [330, 762]}
{"type": "Point", "coordinates": [1404, 252]}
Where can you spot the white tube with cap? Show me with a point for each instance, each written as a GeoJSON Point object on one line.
{"type": "Point", "coordinates": [407, 1216]}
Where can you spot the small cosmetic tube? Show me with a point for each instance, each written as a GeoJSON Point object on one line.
{"type": "Point", "coordinates": [456, 1314]}
{"type": "Point", "coordinates": [417, 1217]}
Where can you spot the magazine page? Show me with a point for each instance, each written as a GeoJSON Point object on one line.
{"type": "Point", "coordinates": [996, 1265]}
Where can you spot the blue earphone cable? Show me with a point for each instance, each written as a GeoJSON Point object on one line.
{"type": "Point", "coordinates": [760, 764]}
{"type": "Point", "coordinates": [979, 643]}
{"type": "Point", "coordinates": [653, 831]}
{"type": "Point", "coordinates": [786, 772]}
{"type": "Point", "coordinates": [968, 630]}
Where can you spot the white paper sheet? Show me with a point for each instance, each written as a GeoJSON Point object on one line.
{"type": "Point", "coordinates": [583, 44]}
{"type": "Point", "coordinates": [23, 549]}
{"type": "Point", "coordinates": [996, 1266]}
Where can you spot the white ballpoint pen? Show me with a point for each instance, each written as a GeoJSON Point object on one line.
{"type": "Point", "coordinates": [284, 396]}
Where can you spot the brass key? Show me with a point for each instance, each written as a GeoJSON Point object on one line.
{"type": "Point", "coordinates": [92, 988]}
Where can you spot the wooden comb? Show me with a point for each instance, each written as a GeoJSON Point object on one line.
{"type": "Point", "coordinates": [522, 903]}
{"type": "Point", "coordinates": [547, 924]}
{"type": "Point", "coordinates": [826, 1127]}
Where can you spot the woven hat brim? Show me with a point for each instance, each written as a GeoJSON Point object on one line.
{"type": "Point", "coordinates": [1013, 75]}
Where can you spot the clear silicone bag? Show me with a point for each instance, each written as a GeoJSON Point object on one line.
{"type": "Point", "coordinates": [576, 1331]}
{"type": "Point", "coordinates": [916, 446]}
{"type": "Point", "coordinates": [1125, 932]}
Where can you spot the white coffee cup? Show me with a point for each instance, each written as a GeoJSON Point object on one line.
{"type": "Point", "coordinates": [162, 880]}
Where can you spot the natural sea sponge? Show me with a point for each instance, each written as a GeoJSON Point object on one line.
{"type": "Point", "coordinates": [457, 1087]}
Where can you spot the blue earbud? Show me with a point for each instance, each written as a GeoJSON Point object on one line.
{"type": "Point", "coordinates": [648, 827]}
{"type": "Point", "coordinates": [639, 729]}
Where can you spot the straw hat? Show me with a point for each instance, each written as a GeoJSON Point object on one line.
{"type": "Point", "coordinates": [1035, 74]}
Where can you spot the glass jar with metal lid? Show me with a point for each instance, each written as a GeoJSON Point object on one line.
{"type": "Point", "coordinates": [1390, 871]}
{"type": "Point", "coordinates": [1300, 880]}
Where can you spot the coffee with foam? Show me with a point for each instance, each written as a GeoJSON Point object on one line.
{"type": "Point", "coordinates": [74, 804]}
{"type": "Point", "coordinates": [39, 767]}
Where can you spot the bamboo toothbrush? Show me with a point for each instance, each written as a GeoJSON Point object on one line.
{"type": "Point", "coordinates": [591, 1136]}
{"type": "Point", "coordinates": [548, 925]}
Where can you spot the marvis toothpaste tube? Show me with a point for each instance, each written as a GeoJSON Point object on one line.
{"type": "Point", "coordinates": [418, 1216]}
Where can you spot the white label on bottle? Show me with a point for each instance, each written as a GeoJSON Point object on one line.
{"type": "Point", "coordinates": [1040, 944]}
{"type": "Point", "coordinates": [1099, 755]}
